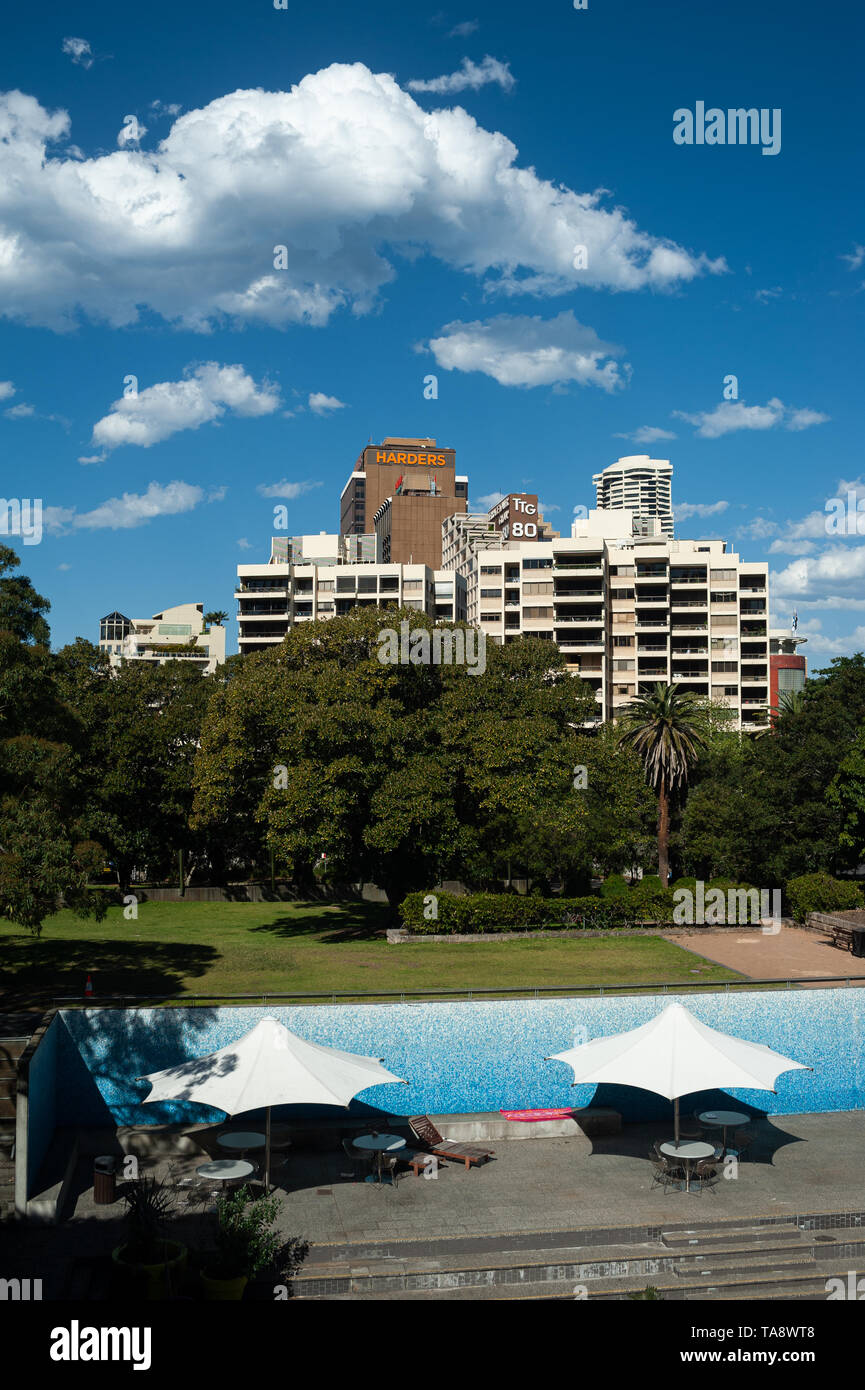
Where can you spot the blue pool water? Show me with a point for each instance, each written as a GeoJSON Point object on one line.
{"type": "Point", "coordinates": [459, 1057]}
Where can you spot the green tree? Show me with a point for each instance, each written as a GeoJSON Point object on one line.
{"type": "Point", "coordinates": [668, 729]}
{"type": "Point", "coordinates": [846, 793]}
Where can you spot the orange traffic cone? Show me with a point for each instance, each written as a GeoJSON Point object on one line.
{"type": "Point", "coordinates": [88, 989]}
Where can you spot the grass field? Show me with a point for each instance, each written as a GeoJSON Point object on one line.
{"type": "Point", "coordinates": [176, 949]}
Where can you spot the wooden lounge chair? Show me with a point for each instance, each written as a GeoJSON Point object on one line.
{"type": "Point", "coordinates": [426, 1134]}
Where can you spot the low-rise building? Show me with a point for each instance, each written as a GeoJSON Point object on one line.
{"type": "Point", "coordinates": [176, 634]}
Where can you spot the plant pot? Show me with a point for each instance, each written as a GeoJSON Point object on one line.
{"type": "Point", "coordinates": [224, 1290]}
{"type": "Point", "coordinates": [154, 1279]}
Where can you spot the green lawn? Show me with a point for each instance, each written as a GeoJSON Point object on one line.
{"type": "Point", "coordinates": [175, 949]}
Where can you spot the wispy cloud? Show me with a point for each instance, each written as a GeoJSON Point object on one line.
{"type": "Point", "coordinates": [288, 490]}
{"type": "Point", "coordinates": [683, 510]}
{"type": "Point", "coordinates": [462, 31]}
{"type": "Point", "coordinates": [468, 76]}
{"type": "Point", "coordinates": [647, 434]}
{"type": "Point", "coordinates": [79, 51]}
{"type": "Point", "coordinates": [132, 509]}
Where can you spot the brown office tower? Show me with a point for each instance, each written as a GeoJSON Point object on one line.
{"type": "Point", "coordinates": [403, 489]}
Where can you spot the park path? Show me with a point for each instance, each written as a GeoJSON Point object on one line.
{"type": "Point", "coordinates": [792, 953]}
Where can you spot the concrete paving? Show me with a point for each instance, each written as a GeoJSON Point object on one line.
{"type": "Point", "coordinates": [790, 954]}
{"type": "Point", "coordinates": [527, 1197]}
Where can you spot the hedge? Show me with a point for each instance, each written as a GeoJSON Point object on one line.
{"type": "Point", "coordinates": [479, 913]}
{"type": "Point", "coordinates": [821, 893]}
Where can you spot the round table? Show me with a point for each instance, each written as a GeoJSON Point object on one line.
{"type": "Point", "coordinates": [691, 1151]}
{"type": "Point", "coordinates": [378, 1144]}
{"type": "Point", "coordinates": [226, 1170]}
{"type": "Point", "coordinates": [239, 1140]}
{"type": "Point", "coordinates": [723, 1119]}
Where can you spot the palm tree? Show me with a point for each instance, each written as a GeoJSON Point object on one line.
{"type": "Point", "coordinates": [218, 617]}
{"type": "Point", "coordinates": [668, 729]}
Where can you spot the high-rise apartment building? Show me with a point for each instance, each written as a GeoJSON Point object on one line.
{"type": "Point", "coordinates": [629, 611]}
{"type": "Point", "coordinates": [403, 490]}
{"type": "Point", "coordinates": [314, 577]}
{"type": "Point", "coordinates": [640, 485]}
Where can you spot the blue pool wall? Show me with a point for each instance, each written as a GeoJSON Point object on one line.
{"type": "Point", "coordinates": [42, 1081]}
{"type": "Point", "coordinates": [460, 1057]}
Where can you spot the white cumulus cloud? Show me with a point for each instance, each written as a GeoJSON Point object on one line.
{"type": "Point", "coordinates": [729, 416]}
{"type": "Point", "coordinates": [204, 394]}
{"type": "Point", "coordinates": [530, 351]}
{"type": "Point", "coordinates": [320, 404]}
{"type": "Point", "coordinates": [6, 390]}
{"type": "Point", "coordinates": [345, 170]}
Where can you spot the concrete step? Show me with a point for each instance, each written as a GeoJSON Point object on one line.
{"type": "Point", "coordinates": [766, 1286]}
{"type": "Point", "coordinates": [703, 1236]}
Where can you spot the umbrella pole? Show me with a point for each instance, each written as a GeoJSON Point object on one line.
{"type": "Point", "coordinates": [676, 1126]}
{"type": "Point", "coordinates": [267, 1154]}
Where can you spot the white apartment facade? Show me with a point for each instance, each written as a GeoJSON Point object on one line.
{"type": "Point", "coordinates": [318, 581]}
{"type": "Point", "coordinates": [175, 634]}
{"type": "Point", "coordinates": [630, 611]}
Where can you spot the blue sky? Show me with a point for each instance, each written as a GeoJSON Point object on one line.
{"type": "Point", "coordinates": [428, 230]}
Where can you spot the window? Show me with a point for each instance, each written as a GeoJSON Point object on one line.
{"type": "Point", "coordinates": [325, 586]}
{"type": "Point", "coordinates": [623, 665]}
{"type": "Point", "coordinates": [532, 614]}
{"type": "Point", "coordinates": [412, 584]}
{"type": "Point", "coordinates": [346, 586]}
{"type": "Point", "coordinates": [537, 587]}
{"type": "Point", "coordinates": [623, 641]}
{"type": "Point", "coordinates": [724, 596]}
{"type": "Point", "coordinates": [623, 571]}
{"type": "Point", "coordinates": [723, 574]}
{"type": "Point", "coordinates": [366, 584]}
{"type": "Point", "coordinates": [724, 666]}
{"type": "Point", "coordinates": [543, 564]}
{"type": "Point", "coordinates": [389, 583]}
{"type": "Point", "coordinates": [626, 593]}
{"type": "Point", "coordinates": [725, 644]}
{"type": "Point", "coordinates": [491, 569]}
{"type": "Point", "coordinates": [491, 617]}
{"type": "Point", "coordinates": [491, 593]}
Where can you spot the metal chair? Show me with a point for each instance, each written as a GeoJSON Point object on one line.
{"type": "Point", "coordinates": [388, 1167]}
{"type": "Point", "coordinates": [358, 1159]}
{"type": "Point", "coordinates": [706, 1174]}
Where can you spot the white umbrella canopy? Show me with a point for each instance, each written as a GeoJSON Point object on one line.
{"type": "Point", "coordinates": [674, 1054]}
{"type": "Point", "coordinates": [268, 1066]}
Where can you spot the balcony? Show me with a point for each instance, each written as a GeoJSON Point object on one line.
{"type": "Point", "coordinates": [591, 619]}
{"type": "Point", "coordinates": [595, 564]}
{"type": "Point", "coordinates": [260, 611]}
{"type": "Point", "coordinates": [677, 602]}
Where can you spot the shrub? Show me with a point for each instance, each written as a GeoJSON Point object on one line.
{"type": "Point", "coordinates": [820, 893]}
{"type": "Point", "coordinates": [615, 886]}
{"type": "Point", "coordinates": [498, 912]}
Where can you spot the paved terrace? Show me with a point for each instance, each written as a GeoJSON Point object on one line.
{"type": "Point", "coordinates": [804, 1165]}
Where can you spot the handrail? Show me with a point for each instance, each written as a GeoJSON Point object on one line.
{"type": "Point", "coordinates": [669, 987]}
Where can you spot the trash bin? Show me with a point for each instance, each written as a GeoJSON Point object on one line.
{"type": "Point", "coordinates": [104, 1181]}
{"type": "Point", "coordinates": [858, 945]}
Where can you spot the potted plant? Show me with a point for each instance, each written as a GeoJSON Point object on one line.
{"type": "Point", "coordinates": [246, 1243]}
{"type": "Point", "coordinates": [146, 1255]}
